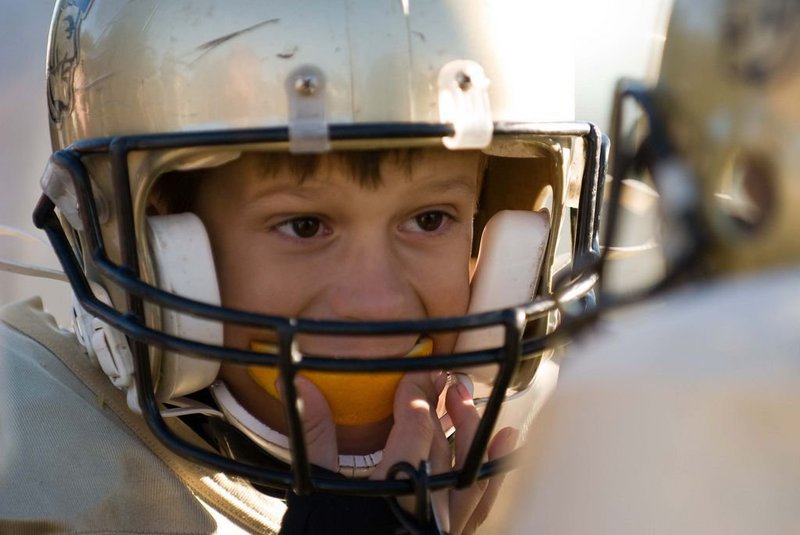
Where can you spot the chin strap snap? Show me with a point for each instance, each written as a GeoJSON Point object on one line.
{"type": "Point", "coordinates": [106, 346]}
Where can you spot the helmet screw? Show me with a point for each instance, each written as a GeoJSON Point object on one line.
{"type": "Point", "coordinates": [464, 81]}
{"type": "Point", "coordinates": [306, 84]}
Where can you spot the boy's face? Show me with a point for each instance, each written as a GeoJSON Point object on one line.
{"type": "Point", "coordinates": [327, 247]}
{"type": "Point", "coordinates": [330, 248]}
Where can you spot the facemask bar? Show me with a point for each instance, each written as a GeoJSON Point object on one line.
{"type": "Point", "coordinates": [513, 320]}
{"type": "Point", "coordinates": [682, 220]}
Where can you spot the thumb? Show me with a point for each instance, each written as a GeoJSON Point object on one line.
{"type": "Point", "coordinates": [413, 429]}
{"type": "Point", "coordinates": [318, 426]}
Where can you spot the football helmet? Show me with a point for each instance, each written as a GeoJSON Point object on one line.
{"type": "Point", "coordinates": [717, 150]}
{"type": "Point", "coordinates": [141, 90]}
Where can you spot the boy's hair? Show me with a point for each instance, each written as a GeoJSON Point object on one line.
{"type": "Point", "coordinates": [176, 191]}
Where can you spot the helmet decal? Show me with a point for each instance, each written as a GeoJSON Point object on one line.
{"type": "Point", "coordinates": [64, 57]}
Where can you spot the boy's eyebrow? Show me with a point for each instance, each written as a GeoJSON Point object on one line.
{"type": "Point", "coordinates": [309, 188]}
{"type": "Point", "coordinates": [287, 185]}
{"type": "Point", "coordinates": [440, 184]}
{"type": "Point", "coordinates": [289, 188]}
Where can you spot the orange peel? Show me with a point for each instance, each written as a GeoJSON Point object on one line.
{"type": "Point", "coordinates": [357, 398]}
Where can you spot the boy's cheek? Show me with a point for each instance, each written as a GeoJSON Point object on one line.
{"type": "Point", "coordinates": [452, 302]}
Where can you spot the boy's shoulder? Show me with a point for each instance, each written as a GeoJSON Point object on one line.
{"type": "Point", "coordinates": [68, 461]}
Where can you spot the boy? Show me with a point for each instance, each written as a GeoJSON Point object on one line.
{"type": "Point", "coordinates": [391, 245]}
{"type": "Point", "coordinates": [202, 255]}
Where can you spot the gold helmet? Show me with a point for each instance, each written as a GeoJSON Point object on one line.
{"type": "Point", "coordinates": [139, 91]}
{"type": "Point", "coordinates": [722, 122]}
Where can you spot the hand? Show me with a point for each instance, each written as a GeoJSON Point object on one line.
{"type": "Point", "coordinates": [416, 436]}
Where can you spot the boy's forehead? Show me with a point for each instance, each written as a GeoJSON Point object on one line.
{"type": "Point", "coordinates": [369, 168]}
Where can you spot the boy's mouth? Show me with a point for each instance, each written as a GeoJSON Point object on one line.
{"type": "Point", "coordinates": [357, 398]}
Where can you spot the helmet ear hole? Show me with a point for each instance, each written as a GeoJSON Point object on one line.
{"type": "Point", "coordinates": [746, 196]}
{"type": "Point", "coordinates": [184, 265]}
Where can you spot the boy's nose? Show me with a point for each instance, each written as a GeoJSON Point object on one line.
{"type": "Point", "coordinates": [373, 284]}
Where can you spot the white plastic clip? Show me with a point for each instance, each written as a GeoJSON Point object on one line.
{"type": "Point", "coordinates": [57, 184]}
{"type": "Point", "coordinates": [104, 344]}
{"type": "Point", "coordinates": [464, 102]}
{"type": "Point", "coordinates": [308, 126]}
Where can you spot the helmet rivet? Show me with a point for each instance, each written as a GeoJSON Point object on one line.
{"type": "Point", "coordinates": [464, 81]}
{"type": "Point", "coordinates": [306, 84]}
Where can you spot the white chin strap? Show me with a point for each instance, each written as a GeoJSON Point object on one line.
{"type": "Point", "coordinates": [277, 444]}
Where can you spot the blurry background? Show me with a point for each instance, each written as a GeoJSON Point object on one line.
{"type": "Point", "coordinates": [24, 147]}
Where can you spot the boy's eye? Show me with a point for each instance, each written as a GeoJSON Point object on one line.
{"type": "Point", "coordinates": [430, 221]}
{"type": "Point", "coordinates": [305, 227]}
{"type": "Point", "coordinates": [301, 227]}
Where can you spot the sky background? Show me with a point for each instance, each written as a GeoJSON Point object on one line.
{"type": "Point", "coordinates": [24, 146]}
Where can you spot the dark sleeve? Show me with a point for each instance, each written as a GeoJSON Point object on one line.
{"type": "Point", "coordinates": [333, 513]}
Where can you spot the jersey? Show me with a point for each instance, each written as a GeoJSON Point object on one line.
{"type": "Point", "coordinates": [73, 458]}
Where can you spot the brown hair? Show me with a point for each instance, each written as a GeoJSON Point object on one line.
{"type": "Point", "coordinates": [176, 191]}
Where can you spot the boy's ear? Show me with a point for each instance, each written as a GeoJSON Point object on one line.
{"type": "Point", "coordinates": [184, 265]}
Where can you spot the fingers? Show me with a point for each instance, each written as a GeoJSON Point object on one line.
{"type": "Point", "coordinates": [413, 430]}
{"type": "Point", "coordinates": [318, 426]}
{"type": "Point", "coordinates": [441, 458]}
{"type": "Point", "coordinates": [469, 507]}
{"type": "Point", "coordinates": [465, 417]}
{"type": "Point", "coordinates": [503, 443]}
{"type": "Point", "coordinates": [417, 435]}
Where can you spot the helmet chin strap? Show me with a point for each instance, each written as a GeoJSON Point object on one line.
{"type": "Point", "coordinates": [276, 443]}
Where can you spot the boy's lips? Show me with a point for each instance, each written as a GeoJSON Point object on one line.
{"type": "Point", "coordinates": [358, 398]}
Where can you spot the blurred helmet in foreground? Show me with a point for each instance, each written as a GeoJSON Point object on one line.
{"type": "Point", "coordinates": [722, 134]}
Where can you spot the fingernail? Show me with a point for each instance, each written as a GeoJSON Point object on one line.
{"type": "Point", "coordinates": [440, 382]}
{"type": "Point", "coordinates": [465, 381]}
{"type": "Point", "coordinates": [463, 392]}
{"type": "Point", "coordinates": [511, 439]}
